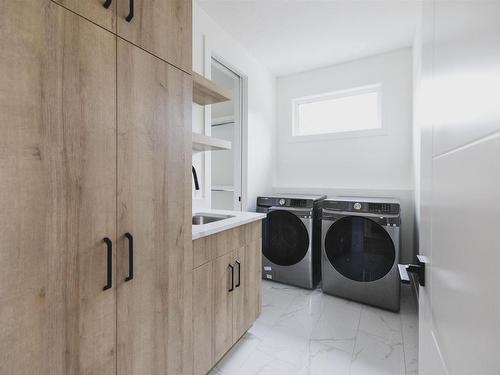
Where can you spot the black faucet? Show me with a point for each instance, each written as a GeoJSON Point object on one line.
{"type": "Point", "coordinates": [195, 177]}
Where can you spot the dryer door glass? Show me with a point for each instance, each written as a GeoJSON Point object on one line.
{"type": "Point", "coordinates": [359, 248]}
{"type": "Point", "coordinates": [287, 240]}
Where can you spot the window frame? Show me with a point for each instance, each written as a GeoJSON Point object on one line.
{"type": "Point", "coordinates": [294, 135]}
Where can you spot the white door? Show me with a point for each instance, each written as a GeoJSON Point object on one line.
{"type": "Point", "coordinates": [458, 113]}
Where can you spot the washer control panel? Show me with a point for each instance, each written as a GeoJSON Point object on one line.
{"type": "Point", "coordinates": [378, 208]}
{"type": "Point", "coordinates": [284, 202]}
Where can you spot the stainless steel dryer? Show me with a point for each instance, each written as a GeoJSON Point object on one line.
{"type": "Point", "coordinates": [291, 236]}
{"type": "Point", "coordinates": [360, 250]}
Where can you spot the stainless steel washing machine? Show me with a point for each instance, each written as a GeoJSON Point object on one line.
{"type": "Point", "coordinates": [360, 250]}
{"type": "Point", "coordinates": [291, 236]}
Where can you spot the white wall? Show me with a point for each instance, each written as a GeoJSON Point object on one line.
{"type": "Point", "coordinates": [373, 166]}
{"type": "Point", "coordinates": [260, 85]}
{"type": "Point", "coordinates": [380, 162]}
{"type": "Point", "coordinates": [369, 166]}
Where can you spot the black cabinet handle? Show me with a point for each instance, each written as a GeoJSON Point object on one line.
{"type": "Point", "coordinates": [107, 4]}
{"type": "Point", "coordinates": [131, 11]}
{"type": "Point", "coordinates": [130, 257]}
{"type": "Point", "coordinates": [239, 274]}
{"type": "Point", "coordinates": [109, 249]}
{"type": "Point", "coordinates": [232, 278]}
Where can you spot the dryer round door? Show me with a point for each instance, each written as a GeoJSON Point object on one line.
{"type": "Point", "coordinates": [288, 238]}
{"type": "Point", "coordinates": [359, 248]}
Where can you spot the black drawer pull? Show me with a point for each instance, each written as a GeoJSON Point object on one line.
{"type": "Point", "coordinates": [109, 250]}
{"type": "Point", "coordinates": [131, 11]}
{"type": "Point", "coordinates": [130, 257]}
{"type": "Point", "coordinates": [107, 4]}
{"type": "Point", "coordinates": [239, 274]}
{"type": "Point", "coordinates": [232, 278]}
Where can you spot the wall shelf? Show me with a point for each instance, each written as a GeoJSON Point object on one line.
{"type": "Point", "coordinates": [221, 121]}
{"type": "Point", "coordinates": [205, 143]}
{"type": "Point", "coordinates": [223, 188]}
{"type": "Point", "coordinates": [206, 92]}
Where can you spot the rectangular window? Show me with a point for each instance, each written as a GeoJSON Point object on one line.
{"type": "Point", "coordinates": [349, 112]}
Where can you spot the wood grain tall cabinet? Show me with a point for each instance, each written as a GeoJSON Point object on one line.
{"type": "Point", "coordinates": [95, 196]}
{"type": "Point", "coordinates": [154, 206]}
{"type": "Point", "coordinates": [161, 27]}
{"type": "Point", "coordinates": [101, 12]}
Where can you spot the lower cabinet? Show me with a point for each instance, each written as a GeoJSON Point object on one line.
{"type": "Point", "coordinates": [223, 303]}
{"type": "Point", "coordinates": [203, 318]}
{"type": "Point", "coordinates": [226, 292]}
{"type": "Point", "coordinates": [247, 296]}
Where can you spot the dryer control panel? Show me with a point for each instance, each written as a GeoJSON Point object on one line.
{"type": "Point", "coordinates": [377, 208]}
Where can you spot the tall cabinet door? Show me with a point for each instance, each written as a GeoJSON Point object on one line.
{"type": "Point", "coordinates": [162, 27]}
{"type": "Point", "coordinates": [57, 191]}
{"type": "Point", "coordinates": [101, 12]}
{"type": "Point", "coordinates": [154, 205]}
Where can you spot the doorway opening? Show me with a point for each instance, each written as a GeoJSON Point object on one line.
{"type": "Point", "coordinates": [226, 123]}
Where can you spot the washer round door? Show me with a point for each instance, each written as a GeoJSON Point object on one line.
{"type": "Point", "coordinates": [288, 238]}
{"type": "Point", "coordinates": [359, 248]}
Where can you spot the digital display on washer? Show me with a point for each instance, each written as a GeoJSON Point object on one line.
{"type": "Point", "coordinates": [383, 208]}
{"type": "Point", "coordinates": [298, 203]}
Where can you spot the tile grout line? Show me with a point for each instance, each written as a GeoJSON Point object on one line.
{"type": "Point", "coordinates": [256, 349]}
{"type": "Point", "coordinates": [249, 354]}
{"type": "Point", "coordinates": [403, 341]}
{"type": "Point", "coordinates": [356, 339]}
{"type": "Point", "coordinates": [309, 363]}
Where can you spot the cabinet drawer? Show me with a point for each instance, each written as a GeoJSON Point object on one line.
{"type": "Point", "coordinates": [204, 250]}
{"type": "Point", "coordinates": [208, 248]}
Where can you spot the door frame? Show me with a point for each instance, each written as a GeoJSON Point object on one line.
{"type": "Point", "coordinates": [208, 54]}
{"type": "Point", "coordinates": [238, 159]}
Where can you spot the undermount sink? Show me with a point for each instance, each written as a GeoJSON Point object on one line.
{"type": "Point", "coordinates": [199, 219]}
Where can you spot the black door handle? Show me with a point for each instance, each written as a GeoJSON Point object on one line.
{"type": "Point", "coordinates": [232, 278]}
{"type": "Point", "coordinates": [239, 274]}
{"type": "Point", "coordinates": [130, 257]}
{"type": "Point", "coordinates": [109, 249]}
{"type": "Point", "coordinates": [418, 269]}
{"type": "Point", "coordinates": [131, 11]}
{"type": "Point", "coordinates": [107, 4]}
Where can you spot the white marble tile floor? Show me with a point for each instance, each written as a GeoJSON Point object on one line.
{"type": "Point", "coordinates": [303, 332]}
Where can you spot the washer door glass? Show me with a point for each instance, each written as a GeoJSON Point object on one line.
{"type": "Point", "coordinates": [288, 239]}
{"type": "Point", "coordinates": [359, 248]}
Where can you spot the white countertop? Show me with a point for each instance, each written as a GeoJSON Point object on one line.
{"type": "Point", "coordinates": [240, 218]}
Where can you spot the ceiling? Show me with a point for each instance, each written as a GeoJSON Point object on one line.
{"type": "Point", "coordinates": [291, 36]}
